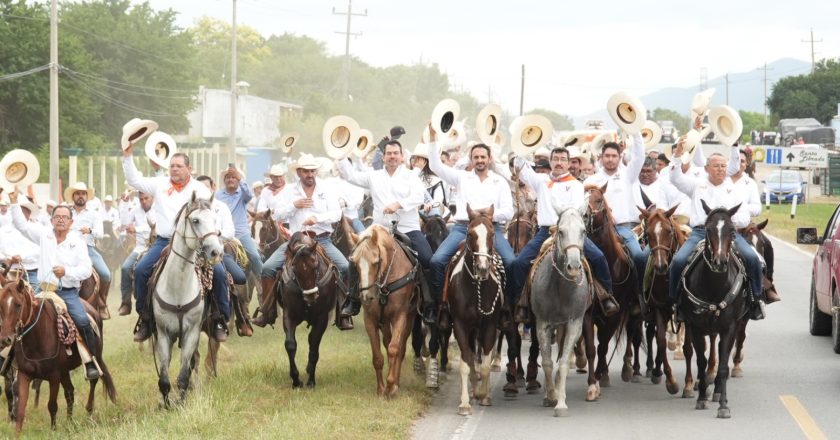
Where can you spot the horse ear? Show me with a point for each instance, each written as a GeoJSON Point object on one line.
{"type": "Point", "coordinates": [212, 196]}
{"type": "Point", "coordinates": [671, 211]}
{"type": "Point", "coordinates": [603, 189]}
{"type": "Point", "coordinates": [470, 212]}
{"type": "Point", "coordinates": [251, 213]}
{"type": "Point", "coordinates": [643, 213]}
{"type": "Point", "coordinates": [192, 199]}
{"type": "Point", "coordinates": [21, 284]}
{"type": "Point", "coordinates": [734, 210]}
{"type": "Point", "coordinates": [706, 208]}
{"type": "Point", "coordinates": [763, 224]}
{"type": "Point", "coordinates": [354, 239]}
{"type": "Point", "coordinates": [645, 198]}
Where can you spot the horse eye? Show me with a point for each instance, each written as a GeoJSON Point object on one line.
{"type": "Point", "coordinates": [195, 220]}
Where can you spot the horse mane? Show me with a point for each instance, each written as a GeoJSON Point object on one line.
{"type": "Point", "coordinates": [718, 212]}
{"type": "Point", "coordinates": [613, 241]}
{"type": "Point", "coordinates": [371, 237]}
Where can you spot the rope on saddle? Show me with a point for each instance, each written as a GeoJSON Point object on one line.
{"type": "Point", "coordinates": [704, 307]}
{"type": "Point", "coordinates": [235, 248]}
{"type": "Point", "coordinates": [67, 331]}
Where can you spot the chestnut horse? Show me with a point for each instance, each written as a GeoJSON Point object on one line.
{"type": "Point", "coordinates": [388, 283]}
{"type": "Point", "coordinates": [30, 324]}
{"type": "Point", "coordinates": [475, 299]}
{"type": "Point", "coordinates": [308, 288]}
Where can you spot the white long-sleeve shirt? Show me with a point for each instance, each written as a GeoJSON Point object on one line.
{"type": "Point", "coordinates": [167, 201]}
{"type": "Point", "coordinates": [664, 195]}
{"type": "Point", "coordinates": [565, 191]}
{"type": "Point", "coordinates": [715, 196]}
{"type": "Point", "coordinates": [403, 187]}
{"type": "Point", "coordinates": [72, 254]}
{"type": "Point", "coordinates": [471, 190]}
{"type": "Point", "coordinates": [135, 215]}
{"type": "Point", "coordinates": [351, 195]}
{"type": "Point", "coordinates": [224, 219]}
{"type": "Point", "coordinates": [13, 242]}
{"type": "Point", "coordinates": [88, 218]}
{"type": "Point", "coordinates": [268, 197]}
{"type": "Point", "coordinates": [325, 208]}
{"type": "Point", "coordinates": [620, 184]}
{"type": "Point", "coordinates": [748, 193]}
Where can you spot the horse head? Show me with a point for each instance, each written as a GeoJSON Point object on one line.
{"type": "Point", "coordinates": [754, 235]}
{"type": "Point", "coordinates": [719, 235]}
{"type": "Point", "coordinates": [16, 310]}
{"type": "Point", "coordinates": [434, 227]}
{"type": "Point", "coordinates": [202, 235]}
{"type": "Point", "coordinates": [569, 238]}
{"type": "Point", "coordinates": [662, 235]}
{"type": "Point", "coordinates": [598, 212]}
{"type": "Point", "coordinates": [479, 241]}
{"type": "Point", "coordinates": [370, 255]}
{"type": "Point", "coordinates": [302, 258]}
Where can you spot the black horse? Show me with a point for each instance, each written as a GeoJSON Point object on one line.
{"type": "Point", "coordinates": [714, 300]}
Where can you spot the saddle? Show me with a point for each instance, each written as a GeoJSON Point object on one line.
{"type": "Point", "coordinates": [701, 306]}
{"type": "Point", "coordinates": [234, 248]}
{"type": "Point", "coordinates": [596, 290]}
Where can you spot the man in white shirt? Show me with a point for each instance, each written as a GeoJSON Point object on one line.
{"type": "Point", "coordinates": [558, 188]}
{"type": "Point", "coordinates": [480, 188]}
{"type": "Point", "coordinates": [62, 266]}
{"type": "Point", "coordinates": [311, 206]}
{"type": "Point", "coordinates": [5, 216]}
{"type": "Point", "coordinates": [17, 251]}
{"type": "Point", "coordinates": [87, 222]}
{"type": "Point", "coordinates": [717, 191]}
{"type": "Point", "coordinates": [350, 198]}
{"type": "Point", "coordinates": [137, 221]}
{"type": "Point", "coordinates": [397, 194]}
{"type": "Point", "coordinates": [171, 194]}
{"type": "Point", "coordinates": [110, 213]}
{"type": "Point", "coordinates": [271, 193]}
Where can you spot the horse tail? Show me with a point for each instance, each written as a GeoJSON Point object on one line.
{"type": "Point", "coordinates": [621, 334]}
{"type": "Point", "coordinates": [109, 390]}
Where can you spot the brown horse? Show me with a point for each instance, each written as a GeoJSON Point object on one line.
{"type": "Point", "coordinates": [520, 230]}
{"type": "Point", "coordinates": [475, 302]}
{"type": "Point", "coordinates": [265, 230]}
{"type": "Point", "coordinates": [664, 237]}
{"type": "Point", "coordinates": [308, 288]}
{"type": "Point", "coordinates": [388, 284]}
{"type": "Point", "coordinates": [343, 236]}
{"type": "Point", "coordinates": [30, 324]}
{"type": "Point", "coordinates": [601, 230]}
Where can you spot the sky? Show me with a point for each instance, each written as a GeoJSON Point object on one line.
{"type": "Point", "coordinates": [576, 54]}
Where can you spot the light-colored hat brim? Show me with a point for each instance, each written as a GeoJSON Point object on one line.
{"type": "Point", "coordinates": [488, 124]}
{"type": "Point", "coordinates": [627, 112]}
{"type": "Point", "coordinates": [444, 116]}
{"type": "Point", "coordinates": [340, 136]}
{"type": "Point", "coordinates": [72, 189]}
{"type": "Point", "coordinates": [528, 133]}
{"type": "Point", "coordinates": [288, 142]}
{"type": "Point", "coordinates": [700, 103]}
{"type": "Point", "coordinates": [726, 123]}
{"type": "Point", "coordinates": [692, 140]}
{"type": "Point", "coordinates": [651, 134]}
{"type": "Point", "coordinates": [226, 171]}
{"type": "Point", "coordinates": [421, 150]}
{"type": "Point", "coordinates": [305, 162]}
{"type": "Point", "coordinates": [364, 143]}
{"type": "Point", "coordinates": [136, 129]}
{"type": "Point", "coordinates": [161, 138]}
{"type": "Point", "coordinates": [18, 168]}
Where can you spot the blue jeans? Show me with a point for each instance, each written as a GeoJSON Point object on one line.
{"type": "Point", "coordinates": [751, 262]}
{"type": "Point", "coordinates": [125, 275]}
{"type": "Point", "coordinates": [253, 252]}
{"type": "Point", "coordinates": [235, 271]}
{"type": "Point", "coordinates": [358, 226]}
{"type": "Point", "coordinates": [32, 278]}
{"type": "Point", "coordinates": [144, 270]}
{"type": "Point", "coordinates": [74, 306]}
{"type": "Point", "coordinates": [421, 246]}
{"type": "Point", "coordinates": [638, 256]}
{"type": "Point", "coordinates": [449, 246]}
{"type": "Point", "coordinates": [99, 265]}
{"type": "Point", "coordinates": [276, 260]}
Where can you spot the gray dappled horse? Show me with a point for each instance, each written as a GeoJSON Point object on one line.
{"type": "Point", "coordinates": [560, 296]}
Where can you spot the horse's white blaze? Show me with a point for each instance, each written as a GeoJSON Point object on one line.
{"type": "Point", "coordinates": [720, 224]}
{"type": "Point", "coordinates": [755, 241]}
{"type": "Point", "coordinates": [9, 302]}
{"type": "Point", "coordinates": [481, 237]}
{"type": "Point", "coordinates": [657, 230]}
{"type": "Point", "coordinates": [364, 275]}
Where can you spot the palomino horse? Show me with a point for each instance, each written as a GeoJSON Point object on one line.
{"type": "Point", "coordinates": [476, 299]}
{"type": "Point", "coordinates": [178, 303]}
{"type": "Point", "coordinates": [560, 296]}
{"type": "Point", "coordinates": [664, 237]}
{"type": "Point", "coordinates": [308, 288]}
{"type": "Point", "coordinates": [601, 230]}
{"type": "Point", "coordinates": [388, 283]}
{"type": "Point", "coordinates": [30, 324]}
{"type": "Point", "coordinates": [714, 301]}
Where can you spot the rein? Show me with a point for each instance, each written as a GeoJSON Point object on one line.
{"type": "Point", "coordinates": [562, 252]}
{"type": "Point", "coordinates": [29, 327]}
{"type": "Point", "coordinates": [497, 263]}
{"type": "Point", "coordinates": [385, 290]}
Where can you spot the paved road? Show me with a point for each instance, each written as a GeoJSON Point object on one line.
{"type": "Point", "coordinates": [782, 359]}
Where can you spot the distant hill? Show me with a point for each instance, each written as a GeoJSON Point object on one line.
{"type": "Point", "coordinates": [746, 90]}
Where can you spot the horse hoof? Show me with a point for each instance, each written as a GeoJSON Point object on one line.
{"type": "Point", "coordinates": [581, 371]}
{"type": "Point", "coordinates": [561, 412]}
{"type": "Point", "coordinates": [604, 381]}
{"type": "Point", "coordinates": [649, 372]}
{"type": "Point", "coordinates": [656, 379]}
{"type": "Point", "coordinates": [511, 390]}
{"type": "Point", "coordinates": [592, 393]}
{"type": "Point", "coordinates": [723, 413]}
{"type": "Point", "coordinates": [310, 385]}
{"type": "Point", "coordinates": [520, 381]}
{"type": "Point", "coordinates": [688, 393]}
{"type": "Point", "coordinates": [626, 374]}
{"type": "Point", "coordinates": [580, 363]}
{"type": "Point", "coordinates": [464, 410]}
{"type": "Point", "coordinates": [701, 404]}
{"type": "Point", "coordinates": [495, 368]}
{"type": "Point", "coordinates": [672, 388]}
{"type": "Point", "coordinates": [297, 384]}
{"type": "Point", "coordinates": [696, 386]}
{"type": "Point", "coordinates": [419, 365]}
{"type": "Point", "coordinates": [737, 372]}
{"type": "Point", "coordinates": [548, 403]}
{"type": "Point", "coordinates": [533, 387]}
{"type": "Point", "coordinates": [716, 397]}
{"type": "Point", "coordinates": [637, 378]}
{"type": "Point", "coordinates": [486, 401]}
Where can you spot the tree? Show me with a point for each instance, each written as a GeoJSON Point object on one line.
{"type": "Point", "coordinates": [663, 114]}
{"type": "Point", "coordinates": [752, 121]}
{"type": "Point", "coordinates": [559, 121]}
{"type": "Point", "coordinates": [814, 95]}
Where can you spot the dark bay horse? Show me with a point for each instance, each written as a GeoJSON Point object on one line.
{"type": "Point", "coordinates": [601, 230]}
{"type": "Point", "coordinates": [754, 235]}
{"type": "Point", "coordinates": [434, 228]}
{"type": "Point", "coordinates": [475, 299]}
{"type": "Point", "coordinates": [714, 301]}
{"type": "Point", "coordinates": [30, 324]}
{"type": "Point", "coordinates": [388, 284]}
{"type": "Point", "coordinates": [308, 289]}
{"type": "Point", "coordinates": [664, 237]}
{"type": "Point", "coordinates": [265, 230]}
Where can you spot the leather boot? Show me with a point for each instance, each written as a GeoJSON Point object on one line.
{"type": "Point", "coordinates": [770, 294]}
{"type": "Point", "coordinates": [143, 329]}
{"type": "Point", "coordinates": [444, 318]}
{"type": "Point", "coordinates": [125, 307]}
{"type": "Point", "coordinates": [608, 303]}
{"type": "Point", "coordinates": [268, 304]}
{"type": "Point", "coordinates": [91, 342]}
{"type": "Point", "coordinates": [430, 315]}
{"type": "Point", "coordinates": [522, 314]}
{"type": "Point", "coordinates": [757, 310]}
{"type": "Point", "coordinates": [219, 331]}
{"type": "Point", "coordinates": [505, 318]}
{"type": "Point", "coordinates": [352, 304]}
{"type": "Point", "coordinates": [103, 296]}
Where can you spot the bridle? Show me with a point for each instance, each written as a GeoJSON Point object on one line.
{"type": "Point", "coordinates": [558, 252]}
{"type": "Point", "coordinates": [381, 280]}
{"type": "Point", "coordinates": [591, 213]}
{"type": "Point", "coordinates": [708, 253]}
{"type": "Point", "coordinates": [495, 262]}
{"type": "Point", "coordinates": [199, 238]}
{"type": "Point", "coordinates": [268, 226]}
{"type": "Point", "coordinates": [321, 277]}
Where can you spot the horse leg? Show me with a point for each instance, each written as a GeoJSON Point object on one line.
{"type": "Point", "coordinates": [510, 389]}
{"type": "Point", "coordinates": [417, 341]}
{"type": "Point", "coordinates": [565, 347]}
{"type": "Point", "coordinates": [740, 337]}
{"type": "Point", "coordinates": [396, 352]}
{"type": "Point", "coordinates": [52, 403]}
{"type": "Point", "coordinates": [651, 329]}
{"type": "Point", "coordinates": [662, 352]}
{"type": "Point", "coordinates": [376, 352]}
{"type": "Point", "coordinates": [445, 336]}
{"type": "Point", "coordinates": [316, 333]}
{"type": "Point", "coordinates": [497, 354]}
{"type": "Point", "coordinates": [699, 343]}
{"type": "Point", "coordinates": [36, 386]}
{"type": "Point", "coordinates": [9, 390]}
{"type": "Point", "coordinates": [605, 334]}
{"type": "Point", "coordinates": [69, 392]}
{"type": "Point", "coordinates": [189, 350]}
{"type": "Point", "coordinates": [486, 343]}
{"type": "Point", "coordinates": [532, 385]}
{"type": "Point", "coordinates": [23, 381]}
{"type": "Point", "coordinates": [712, 367]}
{"type": "Point", "coordinates": [546, 337]}
{"type": "Point", "coordinates": [164, 350]}
{"type": "Point", "coordinates": [433, 372]}
{"type": "Point", "coordinates": [515, 339]}
{"type": "Point", "coordinates": [212, 357]}
{"type": "Point", "coordinates": [727, 338]}
{"type": "Point", "coordinates": [688, 352]}
{"type": "Point", "coordinates": [291, 349]}
{"type": "Point", "coordinates": [636, 339]}
{"type": "Point", "coordinates": [593, 389]}
{"type": "Point", "coordinates": [466, 367]}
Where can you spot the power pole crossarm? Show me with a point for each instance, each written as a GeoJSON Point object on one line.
{"type": "Point", "coordinates": [347, 34]}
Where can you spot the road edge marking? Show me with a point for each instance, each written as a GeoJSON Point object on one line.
{"type": "Point", "coordinates": [803, 419]}
{"type": "Point", "coordinates": [791, 246]}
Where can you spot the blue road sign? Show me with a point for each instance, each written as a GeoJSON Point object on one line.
{"type": "Point", "coordinates": [774, 156]}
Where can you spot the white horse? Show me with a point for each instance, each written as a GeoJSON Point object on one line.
{"type": "Point", "coordinates": [559, 298]}
{"type": "Point", "coordinates": [178, 304]}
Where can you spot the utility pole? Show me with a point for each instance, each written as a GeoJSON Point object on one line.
{"type": "Point", "coordinates": [704, 78]}
{"type": "Point", "coordinates": [54, 100]}
{"type": "Point", "coordinates": [522, 93]}
{"type": "Point", "coordinates": [727, 88]}
{"type": "Point", "coordinates": [765, 69]}
{"type": "Point", "coordinates": [347, 34]}
{"type": "Point", "coordinates": [231, 156]}
{"type": "Point", "coordinates": [813, 54]}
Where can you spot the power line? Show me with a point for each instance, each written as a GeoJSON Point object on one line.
{"type": "Point", "coordinates": [120, 89]}
{"type": "Point", "coordinates": [16, 75]}
{"type": "Point", "coordinates": [120, 104]}
{"type": "Point", "coordinates": [347, 35]}
{"type": "Point", "coordinates": [99, 78]}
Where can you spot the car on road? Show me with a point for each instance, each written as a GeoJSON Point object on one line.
{"type": "Point", "coordinates": [824, 296]}
{"type": "Point", "coordinates": [669, 132]}
{"type": "Point", "coordinates": [782, 185]}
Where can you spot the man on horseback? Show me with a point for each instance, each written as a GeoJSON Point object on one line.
{"type": "Point", "coordinates": [717, 190]}
{"type": "Point", "coordinates": [271, 193]}
{"type": "Point", "coordinates": [17, 250]}
{"type": "Point", "coordinates": [62, 266]}
{"type": "Point", "coordinates": [619, 185]}
{"type": "Point", "coordinates": [559, 189]}
{"type": "Point", "coordinates": [236, 196]}
{"type": "Point", "coordinates": [397, 194]}
{"type": "Point", "coordinates": [136, 220]}
{"type": "Point", "coordinates": [479, 188]}
{"type": "Point", "coordinates": [87, 222]}
{"type": "Point", "coordinates": [170, 194]}
{"type": "Point", "coordinates": [308, 207]}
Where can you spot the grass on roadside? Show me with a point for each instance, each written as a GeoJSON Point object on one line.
{"type": "Point", "coordinates": [808, 215]}
{"type": "Point", "coordinates": [251, 398]}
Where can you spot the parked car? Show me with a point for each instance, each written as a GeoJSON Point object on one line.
{"type": "Point", "coordinates": [782, 185]}
{"type": "Point", "coordinates": [669, 132]}
{"type": "Point", "coordinates": [824, 299]}
{"type": "Point", "coordinates": [768, 138]}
